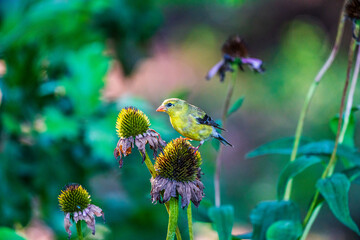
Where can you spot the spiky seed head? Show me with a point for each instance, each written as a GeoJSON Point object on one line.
{"type": "Point", "coordinates": [178, 161]}
{"type": "Point", "coordinates": [73, 198]}
{"type": "Point", "coordinates": [235, 46]}
{"type": "Point", "coordinates": [352, 9]}
{"type": "Point", "coordinates": [131, 122]}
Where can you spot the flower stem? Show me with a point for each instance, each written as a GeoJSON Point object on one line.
{"type": "Point", "coordinates": [173, 218]}
{"type": "Point", "coordinates": [312, 214]}
{"type": "Point", "coordinates": [152, 171]}
{"type": "Point", "coordinates": [78, 229]}
{"type": "Point", "coordinates": [223, 119]}
{"type": "Point", "coordinates": [189, 215]}
{"type": "Point", "coordinates": [350, 99]}
{"type": "Point", "coordinates": [311, 92]}
{"type": "Point", "coordinates": [149, 165]}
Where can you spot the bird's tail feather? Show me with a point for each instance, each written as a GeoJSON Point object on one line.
{"type": "Point", "coordinates": [223, 140]}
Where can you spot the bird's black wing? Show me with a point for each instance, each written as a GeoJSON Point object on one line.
{"type": "Point", "coordinates": [206, 120]}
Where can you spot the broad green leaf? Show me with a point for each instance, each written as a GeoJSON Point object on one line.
{"type": "Point", "coordinates": [223, 218]}
{"type": "Point", "coordinates": [292, 169]}
{"type": "Point", "coordinates": [280, 146]}
{"type": "Point", "coordinates": [335, 191]}
{"type": "Point", "coordinates": [353, 174]}
{"type": "Point", "coordinates": [350, 131]}
{"type": "Point", "coordinates": [237, 104]}
{"type": "Point", "coordinates": [284, 230]}
{"type": "Point", "coordinates": [268, 212]}
{"type": "Point", "coordinates": [9, 234]}
{"type": "Point", "coordinates": [324, 147]}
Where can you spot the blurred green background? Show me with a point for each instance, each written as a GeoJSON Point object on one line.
{"type": "Point", "coordinates": [68, 67]}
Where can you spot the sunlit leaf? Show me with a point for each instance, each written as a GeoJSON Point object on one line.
{"type": "Point", "coordinates": [284, 230]}
{"type": "Point", "coordinates": [9, 234]}
{"type": "Point", "coordinates": [268, 212]}
{"type": "Point", "coordinates": [292, 169]}
{"type": "Point", "coordinates": [223, 219]}
{"type": "Point", "coordinates": [335, 190]}
{"type": "Point", "coordinates": [236, 105]}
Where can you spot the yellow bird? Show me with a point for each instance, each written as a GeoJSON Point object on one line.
{"type": "Point", "coordinates": [191, 121]}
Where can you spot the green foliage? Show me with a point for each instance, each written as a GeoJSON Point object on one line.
{"type": "Point", "coordinates": [284, 230]}
{"type": "Point", "coordinates": [265, 214]}
{"type": "Point", "coordinates": [54, 126]}
{"type": "Point", "coordinates": [236, 106]}
{"type": "Point", "coordinates": [350, 131]}
{"type": "Point", "coordinates": [9, 234]}
{"type": "Point", "coordinates": [321, 148]}
{"type": "Point", "coordinates": [335, 190]}
{"type": "Point", "coordinates": [223, 219]}
{"type": "Point", "coordinates": [292, 169]}
{"type": "Point", "coordinates": [280, 146]}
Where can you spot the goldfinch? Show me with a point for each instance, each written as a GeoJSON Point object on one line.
{"type": "Point", "coordinates": [191, 121]}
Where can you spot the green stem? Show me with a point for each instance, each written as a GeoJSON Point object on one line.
{"type": "Point", "coordinates": [78, 229]}
{"type": "Point", "coordinates": [189, 215]}
{"type": "Point", "coordinates": [152, 171]}
{"type": "Point", "coordinates": [312, 214]}
{"type": "Point", "coordinates": [173, 218]}
{"type": "Point", "coordinates": [350, 99]}
{"type": "Point", "coordinates": [311, 92]}
{"type": "Point", "coordinates": [311, 221]}
{"type": "Point", "coordinates": [224, 118]}
{"type": "Point", "coordinates": [149, 165]}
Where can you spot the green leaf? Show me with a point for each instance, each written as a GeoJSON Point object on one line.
{"type": "Point", "coordinates": [353, 174]}
{"type": "Point", "coordinates": [9, 234]}
{"type": "Point", "coordinates": [237, 104]}
{"type": "Point", "coordinates": [350, 131]}
{"type": "Point", "coordinates": [268, 212]}
{"type": "Point", "coordinates": [223, 218]}
{"type": "Point", "coordinates": [59, 125]}
{"type": "Point", "coordinates": [284, 230]}
{"type": "Point", "coordinates": [292, 169]}
{"type": "Point", "coordinates": [280, 146]}
{"type": "Point", "coordinates": [335, 191]}
{"type": "Point", "coordinates": [324, 147]}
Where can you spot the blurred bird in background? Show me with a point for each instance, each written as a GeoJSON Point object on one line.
{"type": "Point", "coordinates": [191, 121]}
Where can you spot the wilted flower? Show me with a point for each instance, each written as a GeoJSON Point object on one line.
{"type": "Point", "coordinates": [75, 201]}
{"type": "Point", "coordinates": [352, 10]}
{"type": "Point", "coordinates": [132, 126]}
{"type": "Point", "coordinates": [178, 173]}
{"type": "Point", "coordinates": [234, 53]}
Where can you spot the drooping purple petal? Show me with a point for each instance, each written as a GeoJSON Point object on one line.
{"type": "Point", "coordinates": [215, 69]}
{"type": "Point", "coordinates": [254, 63]}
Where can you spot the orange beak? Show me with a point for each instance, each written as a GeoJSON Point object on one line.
{"type": "Point", "coordinates": [161, 109]}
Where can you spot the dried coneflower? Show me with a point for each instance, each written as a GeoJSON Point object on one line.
{"type": "Point", "coordinates": [234, 54]}
{"type": "Point", "coordinates": [178, 173]}
{"type": "Point", "coordinates": [132, 126]}
{"type": "Point", "coordinates": [75, 202]}
{"type": "Point", "coordinates": [352, 10]}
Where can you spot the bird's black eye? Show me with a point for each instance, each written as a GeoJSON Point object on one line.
{"type": "Point", "coordinates": [169, 104]}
